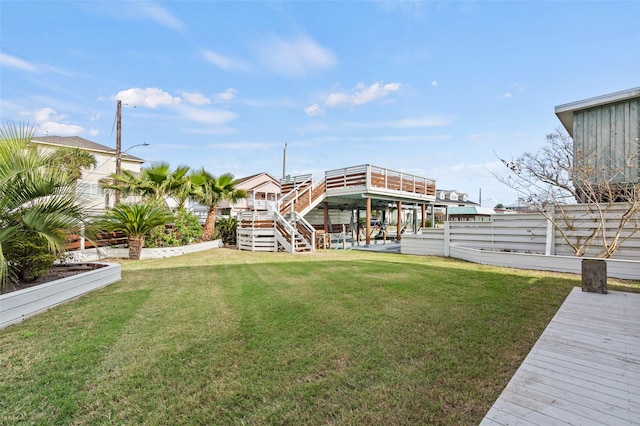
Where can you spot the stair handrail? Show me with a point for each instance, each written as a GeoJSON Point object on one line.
{"type": "Point", "coordinates": [291, 228]}
{"type": "Point", "coordinates": [302, 199]}
{"type": "Point", "coordinates": [285, 201]}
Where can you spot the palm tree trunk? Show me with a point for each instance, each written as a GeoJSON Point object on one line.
{"type": "Point", "coordinates": [209, 230]}
{"type": "Point", "coordinates": [135, 247]}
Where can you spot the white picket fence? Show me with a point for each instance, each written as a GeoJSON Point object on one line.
{"type": "Point", "coordinates": [527, 241]}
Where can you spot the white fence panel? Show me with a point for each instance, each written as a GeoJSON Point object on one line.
{"type": "Point", "coordinates": [428, 243]}
{"type": "Point", "coordinates": [517, 240]}
{"type": "Point", "coordinates": [259, 239]}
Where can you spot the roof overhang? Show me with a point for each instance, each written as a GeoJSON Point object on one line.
{"type": "Point", "coordinates": [565, 112]}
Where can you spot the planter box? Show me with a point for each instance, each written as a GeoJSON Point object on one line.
{"type": "Point", "coordinates": [92, 255]}
{"type": "Point", "coordinates": [19, 305]}
{"type": "Point", "coordinates": [624, 269]}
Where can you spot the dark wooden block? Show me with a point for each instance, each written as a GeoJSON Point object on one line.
{"type": "Point", "coordinates": [594, 276]}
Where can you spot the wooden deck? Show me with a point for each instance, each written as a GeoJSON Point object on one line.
{"type": "Point", "coordinates": [583, 370]}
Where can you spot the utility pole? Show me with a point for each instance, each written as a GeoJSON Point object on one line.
{"type": "Point", "coordinates": [118, 143]}
{"type": "Point", "coordinates": [284, 162]}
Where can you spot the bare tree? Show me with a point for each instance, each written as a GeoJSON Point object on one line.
{"type": "Point", "coordinates": [587, 204]}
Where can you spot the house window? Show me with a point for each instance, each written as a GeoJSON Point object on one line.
{"type": "Point", "coordinates": [89, 190]}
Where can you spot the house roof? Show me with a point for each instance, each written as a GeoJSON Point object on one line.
{"type": "Point", "coordinates": [78, 142]}
{"type": "Point", "coordinates": [565, 112]}
{"type": "Point", "coordinates": [470, 210]}
{"type": "Point", "coordinates": [245, 179]}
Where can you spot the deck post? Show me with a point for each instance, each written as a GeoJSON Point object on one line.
{"type": "Point", "coordinates": [368, 225]}
{"type": "Point", "coordinates": [424, 215]}
{"type": "Point", "coordinates": [433, 215]}
{"type": "Point", "coordinates": [399, 224]}
{"type": "Point", "coordinates": [358, 227]}
{"type": "Point", "coordinates": [326, 217]}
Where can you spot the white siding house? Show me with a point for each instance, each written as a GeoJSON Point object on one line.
{"type": "Point", "coordinates": [95, 198]}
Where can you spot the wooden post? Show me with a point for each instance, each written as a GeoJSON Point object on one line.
{"type": "Point", "coordinates": [424, 216]}
{"type": "Point", "coordinates": [326, 217]}
{"type": "Point", "coordinates": [367, 237]}
{"type": "Point", "coordinates": [399, 224]}
{"type": "Point", "coordinates": [118, 144]}
{"type": "Point", "coordinates": [594, 276]}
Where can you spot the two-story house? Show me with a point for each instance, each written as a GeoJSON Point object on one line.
{"type": "Point", "coordinates": [94, 197]}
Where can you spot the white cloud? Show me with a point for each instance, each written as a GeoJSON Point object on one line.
{"type": "Point", "coordinates": [507, 95]}
{"type": "Point", "coordinates": [17, 63]}
{"type": "Point", "coordinates": [406, 123]}
{"type": "Point", "coordinates": [433, 121]}
{"type": "Point", "coordinates": [195, 98]}
{"type": "Point", "coordinates": [248, 146]}
{"type": "Point", "coordinates": [52, 123]}
{"type": "Point", "coordinates": [214, 117]}
{"type": "Point", "coordinates": [313, 110]}
{"type": "Point", "coordinates": [60, 129]}
{"type": "Point", "coordinates": [362, 94]}
{"type": "Point", "coordinates": [225, 63]}
{"type": "Point", "coordinates": [150, 97]}
{"type": "Point", "coordinates": [157, 13]}
{"type": "Point", "coordinates": [434, 83]}
{"type": "Point", "coordinates": [43, 114]}
{"type": "Point", "coordinates": [226, 96]}
{"type": "Point", "coordinates": [297, 57]}
{"type": "Point", "coordinates": [519, 87]}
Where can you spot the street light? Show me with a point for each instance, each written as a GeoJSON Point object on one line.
{"type": "Point", "coordinates": [119, 162]}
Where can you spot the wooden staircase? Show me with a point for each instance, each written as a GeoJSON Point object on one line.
{"type": "Point", "coordinates": [283, 227]}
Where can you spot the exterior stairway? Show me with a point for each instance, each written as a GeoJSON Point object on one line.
{"type": "Point", "coordinates": [283, 227]}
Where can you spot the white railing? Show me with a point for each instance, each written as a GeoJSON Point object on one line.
{"type": "Point", "coordinates": [289, 236]}
{"type": "Point", "coordinates": [374, 177]}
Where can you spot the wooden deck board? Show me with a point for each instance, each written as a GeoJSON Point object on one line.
{"type": "Point", "coordinates": [584, 369]}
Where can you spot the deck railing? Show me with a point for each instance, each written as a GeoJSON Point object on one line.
{"type": "Point", "coordinates": [374, 177]}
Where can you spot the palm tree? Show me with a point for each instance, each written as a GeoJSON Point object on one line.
{"type": "Point", "coordinates": [72, 160]}
{"type": "Point", "coordinates": [38, 205]}
{"type": "Point", "coordinates": [135, 220]}
{"type": "Point", "coordinates": [156, 183]}
{"type": "Point", "coordinates": [209, 191]}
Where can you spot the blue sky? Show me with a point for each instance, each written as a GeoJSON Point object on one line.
{"type": "Point", "coordinates": [438, 89]}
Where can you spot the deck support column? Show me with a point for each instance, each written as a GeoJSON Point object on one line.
{"type": "Point", "coordinates": [424, 216]}
{"type": "Point", "coordinates": [368, 225]}
{"type": "Point", "coordinates": [433, 215]}
{"type": "Point", "coordinates": [399, 225]}
{"type": "Point", "coordinates": [326, 217]}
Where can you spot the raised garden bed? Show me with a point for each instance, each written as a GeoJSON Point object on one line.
{"type": "Point", "coordinates": [75, 280]}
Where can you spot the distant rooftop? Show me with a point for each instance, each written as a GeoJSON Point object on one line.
{"type": "Point", "coordinates": [78, 142]}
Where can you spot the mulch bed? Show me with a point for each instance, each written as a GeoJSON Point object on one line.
{"type": "Point", "coordinates": [56, 273]}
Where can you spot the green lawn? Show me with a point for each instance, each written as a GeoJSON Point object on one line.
{"type": "Point", "coordinates": [228, 337]}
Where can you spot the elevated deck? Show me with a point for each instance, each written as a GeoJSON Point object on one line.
{"type": "Point", "coordinates": [351, 185]}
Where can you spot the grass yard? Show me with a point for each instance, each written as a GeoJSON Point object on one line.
{"type": "Point", "coordinates": [229, 337]}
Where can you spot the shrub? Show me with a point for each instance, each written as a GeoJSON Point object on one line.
{"type": "Point", "coordinates": [31, 257]}
{"type": "Point", "coordinates": [226, 228]}
{"type": "Point", "coordinates": [186, 229]}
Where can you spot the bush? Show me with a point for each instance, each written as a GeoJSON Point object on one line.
{"type": "Point", "coordinates": [186, 229]}
{"type": "Point", "coordinates": [30, 257]}
{"type": "Point", "coordinates": [226, 230]}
